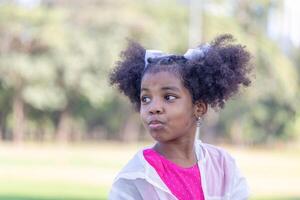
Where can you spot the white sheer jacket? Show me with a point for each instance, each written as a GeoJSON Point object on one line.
{"type": "Point", "coordinates": [220, 178]}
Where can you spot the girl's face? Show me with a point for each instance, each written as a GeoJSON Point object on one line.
{"type": "Point", "coordinates": [166, 110]}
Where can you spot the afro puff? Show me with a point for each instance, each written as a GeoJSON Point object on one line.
{"type": "Point", "coordinates": [212, 78]}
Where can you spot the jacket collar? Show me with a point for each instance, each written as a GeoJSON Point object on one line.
{"type": "Point", "coordinates": [138, 167]}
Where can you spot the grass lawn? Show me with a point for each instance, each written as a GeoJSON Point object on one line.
{"type": "Point", "coordinates": [85, 172]}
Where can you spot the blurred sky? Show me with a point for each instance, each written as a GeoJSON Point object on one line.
{"type": "Point", "coordinates": [283, 25]}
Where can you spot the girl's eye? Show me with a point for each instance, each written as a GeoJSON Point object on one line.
{"type": "Point", "coordinates": [145, 99]}
{"type": "Point", "coordinates": [170, 97]}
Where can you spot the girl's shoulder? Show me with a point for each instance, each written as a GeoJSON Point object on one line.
{"type": "Point", "coordinates": [135, 164]}
{"type": "Point", "coordinates": [212, 152]}
{"type": "Point", "coordinates": [136, 167]}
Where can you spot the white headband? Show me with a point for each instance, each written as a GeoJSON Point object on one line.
{"type": "Point", "coordinates": [190, 54]}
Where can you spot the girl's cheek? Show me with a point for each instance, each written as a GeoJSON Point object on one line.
{"type": "Point", "coordinates": [143, 114]}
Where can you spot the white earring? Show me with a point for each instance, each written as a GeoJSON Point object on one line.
{"type": "Point", "coordinates": [199, 122]}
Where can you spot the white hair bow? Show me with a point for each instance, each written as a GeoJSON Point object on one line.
{"type": "Point", "coordinates": [190, 54]}
{"type": "Point", "coordinates": [154, 54]}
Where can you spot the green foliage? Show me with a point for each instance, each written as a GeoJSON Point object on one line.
{"type": "Point", "coordinates": [57, 58]}
{"type": "Point", "coordinates": [268, 110]}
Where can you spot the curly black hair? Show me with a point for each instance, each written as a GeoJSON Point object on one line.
{"type": "Point", "coordinates": [212, 78]}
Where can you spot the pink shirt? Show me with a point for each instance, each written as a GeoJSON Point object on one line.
{"type": "Point", "coordinates": [184, 183]}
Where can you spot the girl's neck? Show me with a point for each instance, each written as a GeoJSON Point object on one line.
{"type": "Point", "coordinates": [180, 152]}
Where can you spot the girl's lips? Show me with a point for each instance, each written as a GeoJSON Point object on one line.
{"type": "Point", "coordinates": [156, 126]}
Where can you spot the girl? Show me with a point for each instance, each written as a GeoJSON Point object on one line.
{"type": "Point", "coordinates": [172, 94]}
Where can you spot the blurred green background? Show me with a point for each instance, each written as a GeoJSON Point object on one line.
{"type": "Point", "coordinates": [64, 133]}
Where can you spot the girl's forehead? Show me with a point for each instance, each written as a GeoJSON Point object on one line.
{"type": "Point", "coordinates": [161, 79]}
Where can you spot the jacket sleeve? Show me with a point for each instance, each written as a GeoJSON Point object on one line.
{"type": "Point", "coordinates": [124, 189]}
{"type": "Point", "coordinates": [240, 188]}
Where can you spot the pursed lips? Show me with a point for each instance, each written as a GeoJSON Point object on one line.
{"type": "Point", "coordinates": [155, 124]}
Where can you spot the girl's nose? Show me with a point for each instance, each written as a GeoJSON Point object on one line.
{"type": "Point", "coordinates": [156, 108]}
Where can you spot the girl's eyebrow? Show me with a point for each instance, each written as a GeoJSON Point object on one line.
{"type": "Point", "coordinates": [164, 88]}
{"type": "Point", "coordinates": [144, 89]}
{"type": "Point", "coordinates": [171, 88]}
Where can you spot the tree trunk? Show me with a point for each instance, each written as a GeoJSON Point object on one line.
{"type": "Point", "coordinates": [64, 127]}
{"type": "Point", "coordinates": [18, 119]}
{"type": "Point", "coordinates": [131, 130]}
{"type": "Point", "coordinates": [1, 133]}
{"type": "Point", "coordinates": [208, 129]}
{"type": "Point", "coordinates": [1, 126]}
{"type": "Point", "coordinates": [236, 131]}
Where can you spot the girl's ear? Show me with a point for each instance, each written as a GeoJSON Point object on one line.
{"type": "Point", "coordinates": [200, 108]}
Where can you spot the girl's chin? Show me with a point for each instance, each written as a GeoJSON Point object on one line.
{"type": "Point", "coordinates": [159, 135]}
